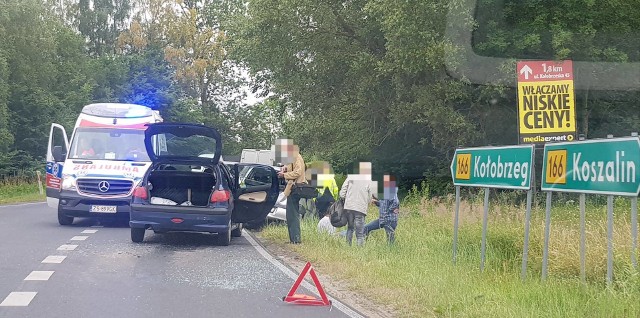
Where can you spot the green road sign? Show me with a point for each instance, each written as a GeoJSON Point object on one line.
{"type": "Point", "coordinates": [603, 166]}
{"type": "Point", "coordinates": [506, 167]}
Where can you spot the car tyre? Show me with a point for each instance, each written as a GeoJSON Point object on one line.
{"type": "Point", "coordinates": [63, 219]}
{"type": "Point", "coordinates": [224, 238]}
{"type": "Point", "coordinates": [238, 231]}
{"type": "Point", "coordinates": [137, 234]}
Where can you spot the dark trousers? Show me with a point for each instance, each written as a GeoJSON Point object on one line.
{"type": "Point", "coordinates": [293, 218]}
{"type": "Point", "coordinates": [355, 223]}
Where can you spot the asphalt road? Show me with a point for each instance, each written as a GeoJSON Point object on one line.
{"type": "Point", "coordinates": [106, 275]}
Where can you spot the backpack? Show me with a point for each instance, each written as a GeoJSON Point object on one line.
{"type": "Point", "coordinates": [337, 216]}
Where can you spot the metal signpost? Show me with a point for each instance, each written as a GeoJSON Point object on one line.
{"type": "Point", "coordinates": [602, 166]}
{"type": "Point", "coordinates": [508, 167]}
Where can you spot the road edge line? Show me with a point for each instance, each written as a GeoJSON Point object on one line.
{"type": "Point", "coordinates": [10, 205]}
{"type": "Point", "coordinates": [287, 271]}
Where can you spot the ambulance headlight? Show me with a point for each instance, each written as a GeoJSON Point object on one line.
{"type": "Point", "coordinates": [68, 183]}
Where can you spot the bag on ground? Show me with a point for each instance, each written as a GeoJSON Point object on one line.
{"type": "Point", "coordinates": [337, 216]}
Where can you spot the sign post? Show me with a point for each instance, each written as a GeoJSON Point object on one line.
{"type": "Point", "coordinates": [546, 102]}
{"type": "Point", "coordinates": [547, 229]}
{"type": "Point", "coordinates": [634, 225]}
{"type": "Point", "coordinates": [601, 166]}
{"type": "Point", "coordinates": [508, 167]}
{"type": "Point", "coordinates": [525, 250]}
{"type": "Point", "coordinates": [485, 220]}
{"type": "Point", "coordinates": [583, 235]}
{"type": "Point", "coordinates": [455, 224]}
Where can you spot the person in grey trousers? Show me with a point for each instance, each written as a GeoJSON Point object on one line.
{"type": "Point", "coordinates": [357, 192]}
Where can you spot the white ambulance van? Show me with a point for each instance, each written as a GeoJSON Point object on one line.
{"type": "Point", "coordinates": [94, 173]}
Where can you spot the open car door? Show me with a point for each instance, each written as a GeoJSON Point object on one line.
{"type": "Point", "coordinates": [56, 154]}
{"type": "Point", "coordinates": [256, 192]}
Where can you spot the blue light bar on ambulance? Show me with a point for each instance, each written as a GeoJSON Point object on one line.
{"type": "Point", "coordinates": [115, 110]}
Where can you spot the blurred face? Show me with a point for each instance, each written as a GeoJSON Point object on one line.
{"type": "Point", "coordinates": [318, 170]}
{"type": "Point", "coordinates": [326, 168]}
{"type": "Point", "coordinates": [364, 171]}
{"type": "Point", "coordinates": [390, 189]}
{"type": "Point", "coordinates": [285, 151]}
{"type": "Point", "coordinates": [312, 175]}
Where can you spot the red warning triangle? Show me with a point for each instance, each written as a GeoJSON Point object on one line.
{"type": "Point", "coordinates": [302, 299]}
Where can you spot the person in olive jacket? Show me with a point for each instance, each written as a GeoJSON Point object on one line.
{"type": "Point", "coordinates": [293, 173]}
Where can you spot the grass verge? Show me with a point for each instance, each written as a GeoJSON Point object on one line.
{"type": "Point", "coordinates": [417, 278]}
{"type": "Point", "coordinates": [18, 191]}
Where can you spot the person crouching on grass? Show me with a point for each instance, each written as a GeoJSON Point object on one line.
{"type": "Point", "coordinates": [389, 209]}
{"type": "Point", "coordinates": [324, 225]}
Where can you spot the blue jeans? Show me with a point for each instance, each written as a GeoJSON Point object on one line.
{"type": "Point", "coordinates": [389, 228]}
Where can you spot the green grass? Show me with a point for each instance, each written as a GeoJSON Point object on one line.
{"type": "Point", "coordinates": [19, 191]}
{"type": "Point", "coordinates": [417, 277]}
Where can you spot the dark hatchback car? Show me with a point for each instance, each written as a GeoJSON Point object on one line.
{"type": "Point", "coordinates": [183, 191]}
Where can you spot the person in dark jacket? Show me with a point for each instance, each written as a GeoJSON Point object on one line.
{"type": "Point", "coordinates": [323, 202]}
{"type": "Point", "coordinates": [389, 207]}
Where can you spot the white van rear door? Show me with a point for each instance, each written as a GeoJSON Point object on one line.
{"type": "Point", "coordinates": [56, 154]}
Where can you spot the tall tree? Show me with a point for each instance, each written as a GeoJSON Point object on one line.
{"type": "Point", "coordinates": [100, 22]}
{"type": "Point", "coordinates": [42, 75]}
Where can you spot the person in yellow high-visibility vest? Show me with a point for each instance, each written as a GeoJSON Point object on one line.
{"type": "Point", "coordinates": [327, 180]}
{"type": "Point", "coordinates": [328, 189]}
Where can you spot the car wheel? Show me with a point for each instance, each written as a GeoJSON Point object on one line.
{"type": "Point", "coordinates": [64, 219]}
{"type": "Point", "coordinates": [224, 238]}
{"type": "Point", "coordinates": [238, 231]}
{"type": "Point", "coordinates": [137, 234]}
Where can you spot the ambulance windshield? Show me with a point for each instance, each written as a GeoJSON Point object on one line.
{"type": "Point", "coordinates": [108, 144]}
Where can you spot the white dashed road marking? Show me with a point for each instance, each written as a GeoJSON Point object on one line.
{"type": "Point", "coordinates": [79, 238]}
{"type": "Point", "coordinates": [54, 259]}
{"type": "Point", "coordinates": [67, 247]}
{"type": "Point", "coordinates": [18, 299]}
{"type": "Point", "coordinates": [89, 231]}
{"type": "Point", "coordinates": [39, 275]}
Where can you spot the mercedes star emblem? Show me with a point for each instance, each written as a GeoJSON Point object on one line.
{"type": "Point", "coordinates": [103, 186]}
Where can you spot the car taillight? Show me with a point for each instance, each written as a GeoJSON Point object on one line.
{"type": "Point", "coordinates": [220, 196]}
{"type": "Point", "coordinates": [140, 192]}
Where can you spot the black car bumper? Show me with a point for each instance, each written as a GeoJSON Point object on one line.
{"type": "Point", "coordinates": [184, 219]}
{"type": "Point", "coordinates": [73, 204]}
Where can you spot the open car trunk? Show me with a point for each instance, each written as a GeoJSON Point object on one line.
{"type": "Point", "coordinates": [172, 187]}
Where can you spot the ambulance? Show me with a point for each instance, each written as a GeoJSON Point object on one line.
{"type": "Point", "coordinates": [94, 173]}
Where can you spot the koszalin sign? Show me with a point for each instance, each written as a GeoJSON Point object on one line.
{"type": "Point", "coordinates": [602, 166]}
{"type": "Point", "coordinates": [507, 167]}
{"type": "Point", "coordinates": [546, 107]}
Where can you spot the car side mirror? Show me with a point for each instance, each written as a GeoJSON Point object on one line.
{"type": "Point", "coordinates": [58, 155]}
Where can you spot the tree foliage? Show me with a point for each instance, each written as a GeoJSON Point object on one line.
{"type": "Point", "coordinates": [349, 81]}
